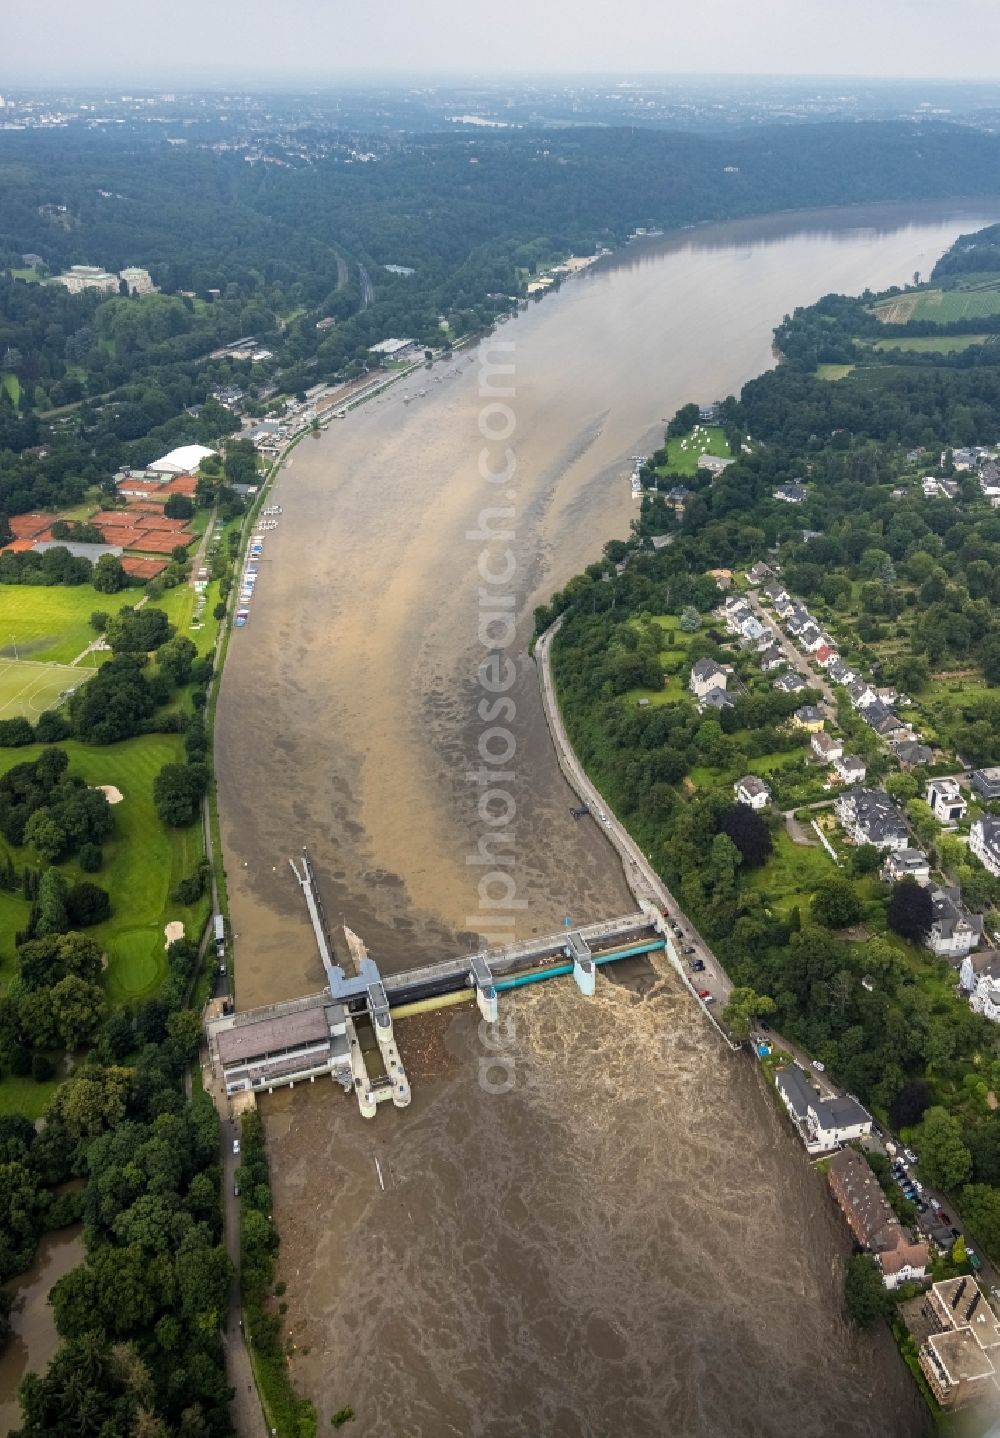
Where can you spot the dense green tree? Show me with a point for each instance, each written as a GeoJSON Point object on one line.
{"type": "Point", "coordinates": [945, 1161]}
{"type": "Point", "coordinates": [865, 1295]}
{"type": "Point", "coordinates": [911, 911]}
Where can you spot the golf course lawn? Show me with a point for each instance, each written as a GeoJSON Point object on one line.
{"type": "Point", "coordinates": [143, 862]}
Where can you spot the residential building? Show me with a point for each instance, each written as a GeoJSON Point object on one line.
{"type": "Point", "coordinates": [705, 676]}
{"type": "Point", "coordinates": [840, 672]}
{"type": "Point", "coordinates": [871, 1220]}
{"type": "Point", "coordinates": [960, 1350]}
{"type": "Point", "coordinates": [137, 281]}
{"type": "Point", "coordinates": [907, 864]}
{"type": "Point", "coordinates": [86, 277]}
{"type": "Point", "coordinates": [678, 497]}
{"type": "Point", "coordinates": [752, 791]}
{"type": "Point", "coordinates": [954, 932]}
{"type": "Point", "coordinates": [812, 638]}
{"type": "Point", "coordinates": [850, 769]}
{"type": "Point", "coordinates": [822, 1123]}
{"type": "Point", "coordinates": [980, 978]}
{"type": "Point", "coordinates": [861, 694]}
{"type": "Point", "coordinates": [717, 699]}
{"type": "Point", "coordinates": [722, 577]}
{"type": "Point", "coordinates": [772, 593]}
{"type": "Point", "coordinates": [790, 683]}
{"type": "Point", "coordinates": [826, 747]}
{"type": "Point", "coordinates": [986, 782]}
{"type": "Point", "coordinates": [946, 800]}
{"type": "Point", "coordinates": [984, 842]}
{"type": "Point", "coordinates": [825, 655]}
{"type": "Point", "coordinates": [772, 658]}
{"type": "Point", "coordinates": [886, 724]}
{"type": "Point", "coordinates": [793, 493]}
{"type": "Point", "coordinates": [911, 754]}
{"type": "Point", "coordinates": [809, 718]}
{"type": "Point", "coordinates": [758, 573]}
{"type": "Point", "coordinates": [870, 817]}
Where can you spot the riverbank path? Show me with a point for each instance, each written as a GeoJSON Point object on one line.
{"type": "Point", "coordinates": [640, 875]}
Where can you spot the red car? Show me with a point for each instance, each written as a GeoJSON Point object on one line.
{"type": "Point", "coordinates": [704, 994]}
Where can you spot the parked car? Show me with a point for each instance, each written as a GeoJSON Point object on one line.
{"type": "Point", "coordinates": [236, 1190]}
{"type": "Point", "coordinates": [697, 965]}
{"type": "Point", "coordinates": [704, 994]}
{"type": "Point", "coordinates": [943, 1217]}
{"type": "Point", "coordinates": [909, 1155]}
{"type": "Point", "coordinates": [820, 1068]}
{"type": "Point", "coordinates": [236, 1145]}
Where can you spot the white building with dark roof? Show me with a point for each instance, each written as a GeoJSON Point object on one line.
{"type": "Point", "coordinates": [822, 1123]}
{"type": "Point", "coordinates": [984, 843]}
{"type": "Point", "coordinates": [752, 791]}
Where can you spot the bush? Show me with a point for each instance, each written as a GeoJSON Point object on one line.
{"type": "Point", "coordinates": [87, 904]}
{"type": "Point", "coordinates": [15, 732]}
{"type": "Point", "coordinates": [41, 1068]}
{"type": "Point", "coordinates": [177, 792]}
{"type": "Point", "coordinates": [91, 857]}
{"type": "Point", "coordinates": [51, 727]}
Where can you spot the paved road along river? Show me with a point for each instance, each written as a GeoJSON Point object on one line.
{"type": "Point", "coordinates": [628, 1233]}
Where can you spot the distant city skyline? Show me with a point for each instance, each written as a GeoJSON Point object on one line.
{"type": "Point", "coordinates": [177, 42]}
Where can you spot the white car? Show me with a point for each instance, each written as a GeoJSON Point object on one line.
{"type": "Point", "coordinates": [236, 1145]}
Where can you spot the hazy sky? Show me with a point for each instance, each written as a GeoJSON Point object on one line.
{"type": "Point", "coordinates": [168, 41]}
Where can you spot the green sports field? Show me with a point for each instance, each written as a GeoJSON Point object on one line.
{"type": "Point", "coordinates": [28, 689]}
{"type": "Point", "coordinates": [52, 622]}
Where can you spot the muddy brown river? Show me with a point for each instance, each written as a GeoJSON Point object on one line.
{"type": "Point", "coordinates": [625, 1239]}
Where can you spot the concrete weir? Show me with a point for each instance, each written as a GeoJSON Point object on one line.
{"type": "Point", "coordinates": [346, 1030]}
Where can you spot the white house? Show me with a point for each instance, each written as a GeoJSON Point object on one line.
{"type": "Point", "coordinates": [870, 817]}
{"type": "Point", "coordinates": [983, 986]}
{"type": "Point", "coordinates": [752, 791]}
{"type": "Point", "coordinates": [946, 801]}
{"type": "Point", "coordinates": [907, 864]}
{"type": "Point", "coordinates": [706, 675]}
{"type": "Point", "coordinates": [850, 769]}
{"type": "Point", "coordinates": [822, 1123]}
{"type": "Point", "coordinates": [984, 842]}
{"type": "Point", "coordinates": [954, 933]}
{"type": "Point", "coordinates": [826, 747]}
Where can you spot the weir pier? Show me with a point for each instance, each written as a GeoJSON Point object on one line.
{"type": "Point", "coordinates": [346, 1030]}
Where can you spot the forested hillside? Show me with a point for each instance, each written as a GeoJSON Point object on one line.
{"type": "Point", "coordinates": [270, 249]}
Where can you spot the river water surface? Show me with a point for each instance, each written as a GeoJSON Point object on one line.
{"type": "Point", "coordinates": [628, 1240]}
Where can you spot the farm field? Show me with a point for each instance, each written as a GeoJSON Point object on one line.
{"type": "Point", "coordinates": [143, 862]}
{"type": "Point", "coordinates": [683, 452]}
{"type": "Point", "coordinates": [52, 622]}
{"type": "Point", "coordinates": [946, 344]}
{"type": "Point", "coordinates": [833, 371]}
{"type": "Point", "coordinates": [941, 306]}
{"type": "Point", "coordinates": [28, 689]}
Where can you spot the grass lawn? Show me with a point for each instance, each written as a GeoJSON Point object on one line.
{"type": "Point", "coordinates": [11, 385]}
{"type": "Point", "coordinates": [683, 452]}
{"type": "Point", "coordinates": [23, 1095]}
{"type": "Point", "coordinates": [790, 875]}
{"type": "Point", "coordinates": [52, 622]}
{"type": "Point", "coordinates": [945, 344]}
{"type": "Point", "coordinates": [143, 861]}
{"type": "Point", "coordinates": [833, 371]}
{"type": "Point", "coordinates": [28, 689]}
